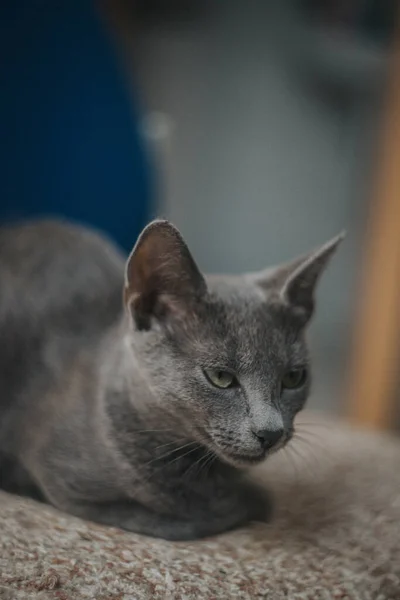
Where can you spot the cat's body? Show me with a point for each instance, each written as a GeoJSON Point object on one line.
{"type": "Point", "coordinates": [103, 411]}
{"type": "Point", "coordinates": [60, 295]}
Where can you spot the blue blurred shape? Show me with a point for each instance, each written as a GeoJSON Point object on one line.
{"type": "Point", "coordinates": [70, 129]}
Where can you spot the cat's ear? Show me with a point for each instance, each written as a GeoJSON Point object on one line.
{"type": "Point", "coordinates": [294, 283]}
{"type": "Point", "coordinates": [161, 276]}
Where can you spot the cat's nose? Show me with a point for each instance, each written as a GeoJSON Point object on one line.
{"type": "Point", "coordinates": [269, 438]}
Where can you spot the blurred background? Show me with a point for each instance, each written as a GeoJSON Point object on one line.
{"type": "Point", "coordinates": [256, 126]}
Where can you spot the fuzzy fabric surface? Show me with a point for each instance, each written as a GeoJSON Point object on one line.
{"type": "Point", "coordinates": [335, 535]}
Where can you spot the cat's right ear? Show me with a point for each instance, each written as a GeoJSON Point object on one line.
{"type": "Point", "coordinates": [161, 277]}
{"type": "Point", "coordinates": [293, 284]}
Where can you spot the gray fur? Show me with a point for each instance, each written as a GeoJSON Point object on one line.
{"type": "Point", "coordinates": [105, 411]}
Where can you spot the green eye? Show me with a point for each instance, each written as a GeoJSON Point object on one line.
{"type": "Point", "coordinates": [221, 379]}
{"type": "Point", "coordinates": [294, 379]}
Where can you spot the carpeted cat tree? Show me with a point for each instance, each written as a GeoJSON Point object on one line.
{"type": "Point", "coordinates": [335, 535]}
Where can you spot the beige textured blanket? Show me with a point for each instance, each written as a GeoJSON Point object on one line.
{"type": "Point", "coordinates": [335, 535]}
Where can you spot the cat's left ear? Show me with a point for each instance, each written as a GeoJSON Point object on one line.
{"type": "Point", "coordinates": [294, 283]}
{"type": "Point", "coordinates": [161, 277]}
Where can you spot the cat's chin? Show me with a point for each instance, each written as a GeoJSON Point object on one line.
{"type": "Point", "coordinates": [243, 461]}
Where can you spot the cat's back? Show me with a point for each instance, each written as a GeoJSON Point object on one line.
{"type": "Point", "coordinates": [60, 290]}
{"type": "Point", "coordinates": [50, 268]}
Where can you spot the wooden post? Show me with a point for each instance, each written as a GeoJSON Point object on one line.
{"type": "Point", "coordinates": [375, 365]}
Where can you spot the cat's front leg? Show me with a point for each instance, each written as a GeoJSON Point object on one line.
{"type": "Point", "coordinates": [189, 521]}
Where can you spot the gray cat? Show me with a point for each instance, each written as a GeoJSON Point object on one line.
{"type": "Point", "coordinates": [145, 413]}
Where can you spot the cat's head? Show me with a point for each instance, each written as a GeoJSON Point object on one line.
{"type": "Point", "coordinates": [227, 355]}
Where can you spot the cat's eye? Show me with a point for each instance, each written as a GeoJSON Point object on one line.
{"type": "Point", "coordinates": [294, 378]}
{"type": "Point", "coordinates": [221, 379]}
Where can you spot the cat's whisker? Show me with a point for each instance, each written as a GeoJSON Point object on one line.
{"type": "Point", "coordinates": [296, 451]}
{"type": "Point", "coordinates": [315, 443]}
{"type": "Point", "coordinates": [170, 452]}
{"type": "Point", "coordinates": [209, 463]}
{"type": "Point", "coordinates": [311, 459]}
{"type": "Point", "coordinates": [162, 466]}
{"type": "Point", "coordinates": [314, 424]}
{"type": "Point", "coordinates": [202, 462]}
{"type": "Point", "coordinates": [314, 438]}
{"type": "Point", "coordinates": [305, 434]}
{"type": "Point", "coordinates": [169, 443]}
{"type": "Point", "coordinates": [197, 444]}
{"type": "Point", "coordinates": [315, 434]}
{"type": "Point", "coordinates": [153, 430]}
{"type": "Point", "coordinates": [193, 465]}
{"type": "Point", "coordinates": [311, 444]}
{"type": "Point", "coordinates": [185, 454]}
{"type": "Point", "coordinates": [210, 458]}
{"type": "Point", "coordinates": [290, 459]}
{"type": "Point", "coordinates": [321, 461]}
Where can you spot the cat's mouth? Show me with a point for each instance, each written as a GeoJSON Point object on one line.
{"type": "Point", "coordinates": [245, 460]}
{"type": "Point", "coordinates": [239, 459]}
{"type": "Point", "coordinates": [232, 455]}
